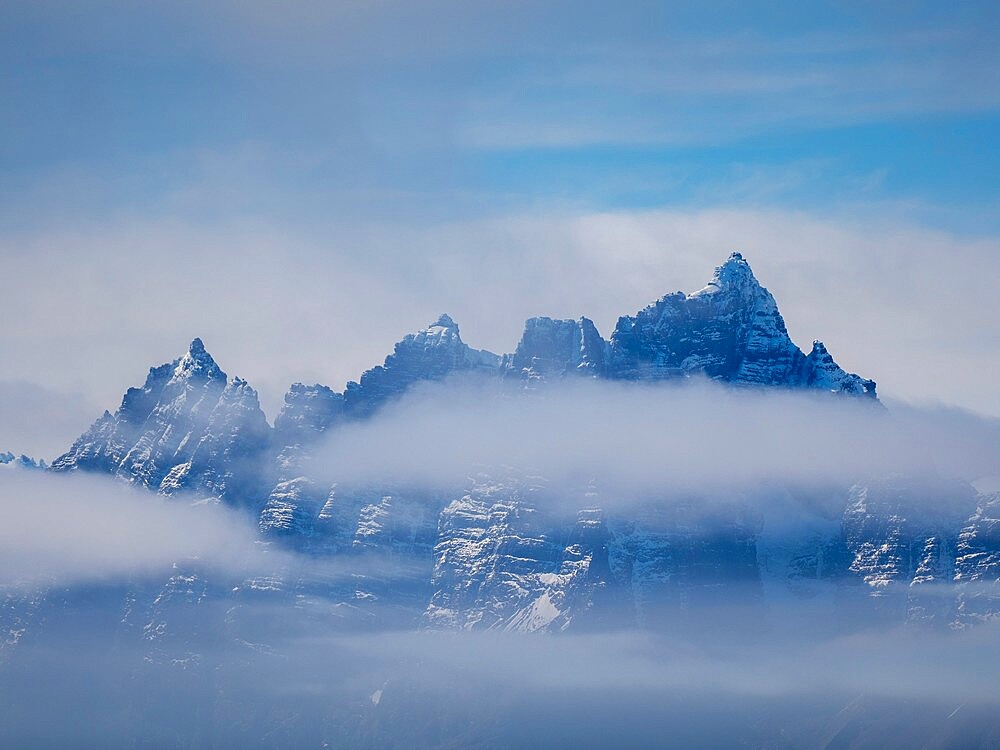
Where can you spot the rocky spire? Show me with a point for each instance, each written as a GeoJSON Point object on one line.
{"type": "Point", "coordinates": [557, 347]}
{"type": "Point", "coordinates": [825, 374]}
{"type": "Point", "coordinates": [432, 353]}
{"type": "Point", "coordinates": [185, 428]}
{"type": "Point", "coordinates": [729, 330]}
{"type": "Point", "coordinates": [734, 277]}
{"type": "Point", "coordinates": [197, 363]}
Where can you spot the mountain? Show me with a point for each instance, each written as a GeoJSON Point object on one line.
{"type": "Point", "coordinates": [189, 427]}
{"type": "Point", "coordinates": [556, 348]}
{"type": "Point", "coordinates": [431, 354]}
{"type": "Point", "coordinates": [504, 549]}
{"type": "Point", "coordinates": [510, 550]}
{"type": "Point", "coordinates": [730, 330]}
{"type": "Point", "coordinates": [21, 462]}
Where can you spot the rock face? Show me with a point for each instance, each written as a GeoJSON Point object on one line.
{"type": "Point", "coordinates": [826, 375]}
{"type": "Point", "coordinates": [558, 347]}
{"type": "Point", "coordinates": [187, 428]}
{"type": "Point", "coordinates": [21, 462]}
{"type": "Point", "coordinates": [730, 330]}
{"type": "Point", "coordinates": [294, 501]}
{"type": "Point", "coordinates": [503, 563]}
{"type": "Point", "coordinates": [510, 551]}
{"type": "Point", "coordinates": [902, 536]}
{"type": "Point", "coordinates": [977, 563]}
{"type": "Point", "coordinates": [431, 354]}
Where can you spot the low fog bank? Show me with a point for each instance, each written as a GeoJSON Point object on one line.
{"type": "Point", "coordinates": [902, 688]}
{"type": "Point", "coordinates": [79, 528]}
{"type": "Point", "coordinates": [962, 443]}
{"type": "Point", "coordinates": [260, 648]}
{"type": "Point", "coordinates": [648, 438]}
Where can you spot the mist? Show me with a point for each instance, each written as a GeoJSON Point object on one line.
{"type": "Point", "coordinates": [306, 687]}
{"type": "Point", "coordinates": [76, 529]}
{"type": "Point", "coordinates": [41, 422]}
{"type": "Point", "coordinates": [655, 438]}
{"type": "Point", "coordinates": [136, 620]}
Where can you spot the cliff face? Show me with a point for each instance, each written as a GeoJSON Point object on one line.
{"type": "Point", "coordinates": [730, 330]}
{"type": "Point", "coordinates": [187, 428]}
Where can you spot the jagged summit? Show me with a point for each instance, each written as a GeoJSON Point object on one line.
{"type": "Point", "coordinates": [432, 353]}
{"type": "Point", "coordinates": [186, 428]}
{"type": "Point", "coordinates": [733, 275]}
{"type": "Point", "coordinates": [197, 363]}
{"type": "Point", "coordinates": [730, 330]}
{"type": "Point", "coordinates": [21, 462]}
{"type": "Point", "coordinates": [557, 347]}
{"type": "Point", "coordinates": [826, 374]}
{"type": "Point", "coordinates": [442, 332]}
{"type": "Point", "coordinates": [190, 427]}
{"type": "Point", "coordinates": [735, 272]}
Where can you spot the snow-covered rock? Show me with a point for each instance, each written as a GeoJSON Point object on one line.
{"type": "Point", "coordinates": [433, 353]}
{"type": "Point", "coordinates": [826, 375]}
{"type": "Point", "coordinates": [558, 347]}
{"type": "Point", "coordinates": [187, 428]}
{"type": "Point", "coordinates": [22, 461]}
{"type": "Point", "coordinates": [730, 330]}
{"type": "Point", "coordinates": [977, 563]}
{"type": "Point", "coordinates": [503, 562]}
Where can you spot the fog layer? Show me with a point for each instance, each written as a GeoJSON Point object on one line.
{"type": "Point", "coordinates": [656, 437]}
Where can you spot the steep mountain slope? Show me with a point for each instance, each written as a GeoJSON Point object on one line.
{"type": "Point", "coordinates": [558, 347]}
{"type": "Point", "coordinates": [433, 353]}
{"type": "Point", "coordinates": [187, 428]}
{"type": "Point", "coordinates": [730, 330]}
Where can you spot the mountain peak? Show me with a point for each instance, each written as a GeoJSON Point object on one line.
{"type": "Point", "coordinates": [197, 360]}
{"type": "Point", "coordinates": [444, 321]}
{"type": "Point", "coordinates": [734, 270]}
{"type": "Point", "coordinates": [826, 374]}
{"type": "Point", "coordinates": [551, 347]}
{"type": "Point", "coordinates": [734, 274]}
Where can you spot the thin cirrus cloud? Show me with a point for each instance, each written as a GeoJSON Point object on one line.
{"type": "Point", "coordinates": [450, 76]}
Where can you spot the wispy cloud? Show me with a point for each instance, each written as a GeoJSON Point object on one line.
{"type": "Point", "coordinates": [65, 530]}
{"type": "Point", "coordinates": [640, 440]}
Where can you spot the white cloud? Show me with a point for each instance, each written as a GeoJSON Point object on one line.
{"type": "Point", "coordinates": [73, 529]}
{"type": "Point", "coordinates": [637, 439]}
{"type": "Point", "coordinates": [893, 301]}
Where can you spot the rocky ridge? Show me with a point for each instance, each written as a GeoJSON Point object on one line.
{"type": "Point", "coordinates": [493, 554]}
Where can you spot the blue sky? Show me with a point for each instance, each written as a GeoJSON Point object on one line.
{"type": "Point", "coordinates": [501, 155]}
{"type": "Point", "coordinates": [115, 106]}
